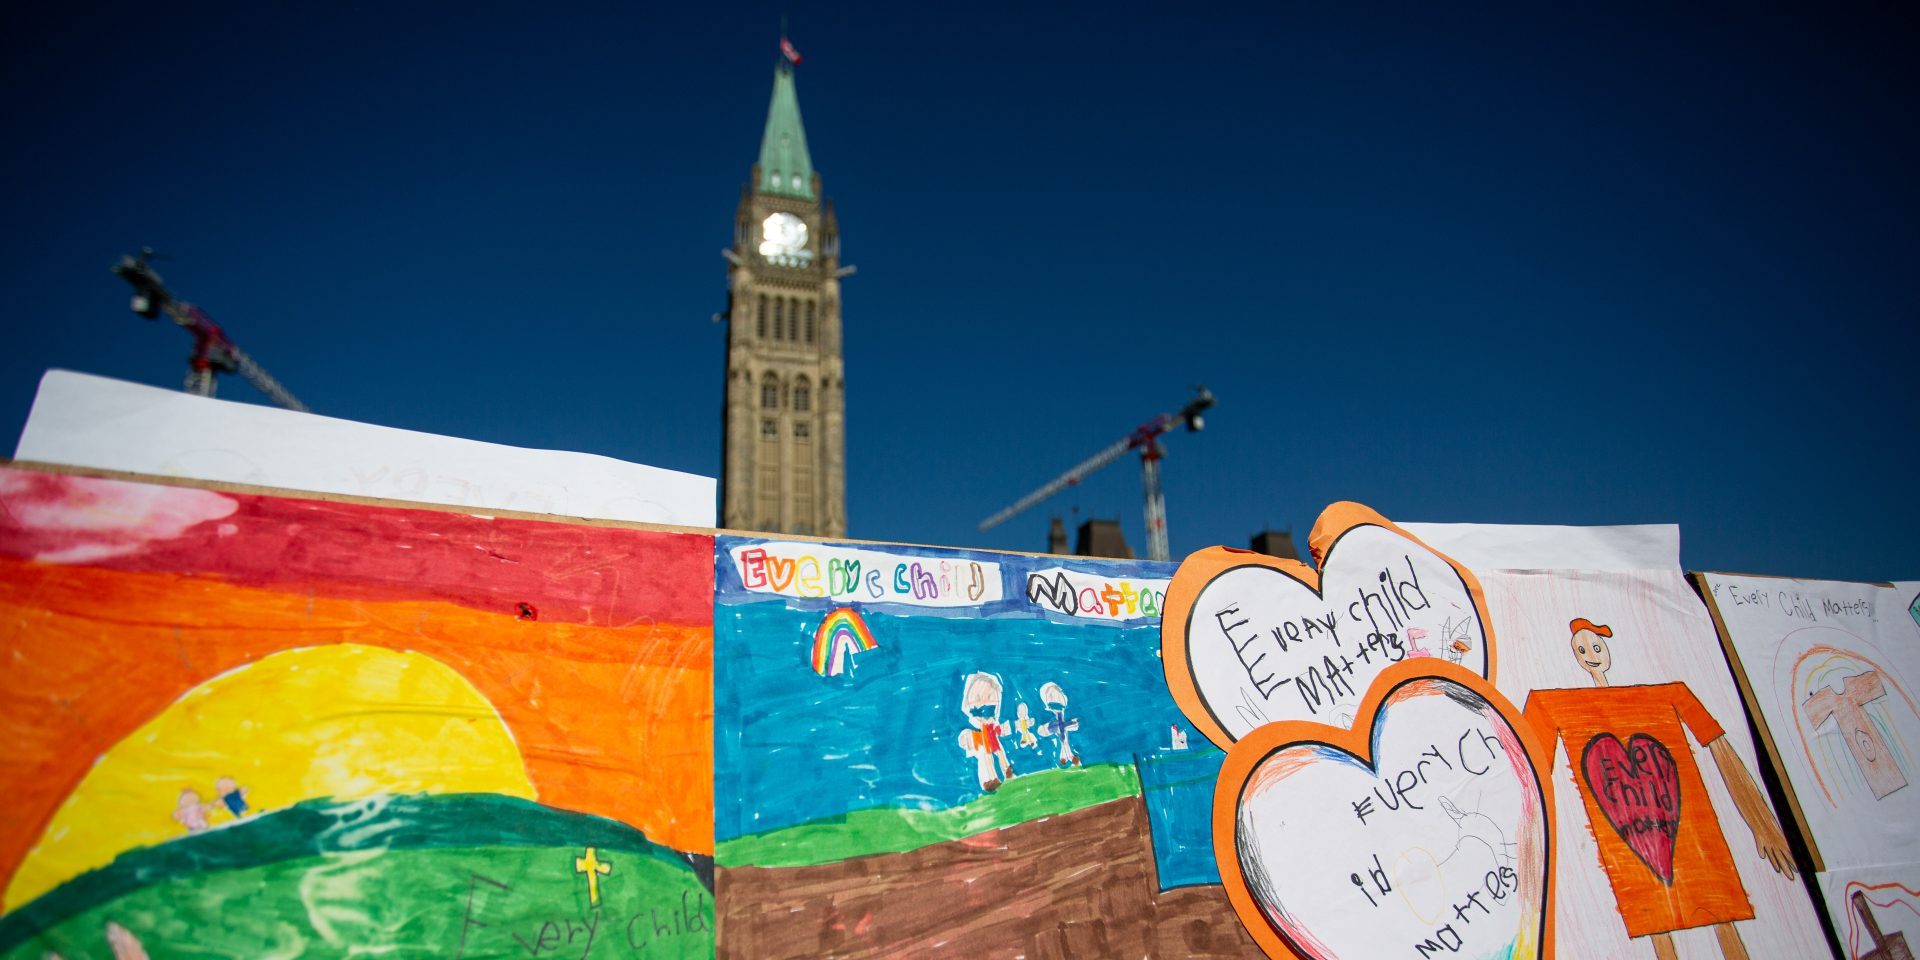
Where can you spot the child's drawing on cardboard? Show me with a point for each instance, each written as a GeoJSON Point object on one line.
{"type": "Point", "coordinates": [252, 725]}
{"type": "Point", "coordinates": [1252, 640]}
{"type": "Point", "coordinates": [1422, 831]}
{"type": "Point", "coordinates": [1660, 841]}
{"type": "Point", "coordinates": [1829, 670]}
{"type": "Point", "coordinates": [1003, 775]}
{"type": "Point", "coordinates": [1377, 800]}
{"type": "Point", "coordinates": [1666, 844]}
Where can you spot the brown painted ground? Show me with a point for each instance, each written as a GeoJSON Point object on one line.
{"type": "Point", "coordinates": [1077, 885]}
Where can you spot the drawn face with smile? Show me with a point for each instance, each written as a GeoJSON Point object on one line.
{"type": "Point", "coordinates": [1594, 653]}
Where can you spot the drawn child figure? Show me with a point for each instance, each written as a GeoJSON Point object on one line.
{"type": "Point", "coordinates": [1054, 698]}
{"type": "Point", "coordinates": [980, 698]}
{"type": "Point", "coordinates": [232, 795]}
{"type": "Point", "coordinates": [1659, 839]}
{"type": "Point", "coordinates": [1023, 725]}
{"type": "Point", "coordinates": [1455, 641]}
{"type": "Point", "coordinates": [190, 812]}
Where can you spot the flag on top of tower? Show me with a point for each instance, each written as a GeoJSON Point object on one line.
{"type": "Point", "coordinates": [788, 50]}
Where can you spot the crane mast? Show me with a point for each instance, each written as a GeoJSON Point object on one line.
{"type": "Point", "coordinates": [1146, 439]}
{"type": "Point", "coordinates": [213, 351]}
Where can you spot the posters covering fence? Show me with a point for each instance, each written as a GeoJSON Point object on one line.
{"type": "Point", "coordinates": [250, 725]}
{"type": "Point", "coordinates": [1830, 672]}
{"type": "Point", "coordinates": [1601, 694]}
{"type": "Point", "coordinates": [1665, 838]}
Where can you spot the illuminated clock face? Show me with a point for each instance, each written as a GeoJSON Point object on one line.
{"type": "Point", "coordinates": [784, 240]}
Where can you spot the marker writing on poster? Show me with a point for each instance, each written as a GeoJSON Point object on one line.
{"type": "Point", "coordinates": [546, 934]}
{"type": "Point", "coordinates": [1476, 752]}
{"type": "Point", "coordinates": [1792, 604]}
{"type": "Point", "coordinates": [1380, 612]}
{"type": "Point", "coordinates": [1094, 597]}
{"type": "Point", "coordinates": [819, 571]}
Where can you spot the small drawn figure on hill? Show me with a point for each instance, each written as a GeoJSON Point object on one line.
{"type": "Point", "coordinates": [1054, 698]}
{"type": "Point", "coordinates": [980, 699]}
{"type": "Point", "coordinates": [191, 812]}
{"type": "Point", "coordinates": [232, 795]}
{"type": "Point", "coordinates": [1179, 737]}
{"type": "Point", "coordinates": [1023, 725]}
{"type": "Point", "coordinates": [1414, 649]}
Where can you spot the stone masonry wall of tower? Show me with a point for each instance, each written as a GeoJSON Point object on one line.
{"type": "Point", "coordinates": [785, 445]}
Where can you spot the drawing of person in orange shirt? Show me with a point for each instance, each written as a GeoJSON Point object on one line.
{"type": "Point", "coordinates": [1647, 806]}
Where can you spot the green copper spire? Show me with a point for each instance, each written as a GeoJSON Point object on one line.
{"type": "Point", "coordinates": [786, 168]}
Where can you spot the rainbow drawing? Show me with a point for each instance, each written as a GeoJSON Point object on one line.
{"type": "Point", "coordinates": [841, 635]}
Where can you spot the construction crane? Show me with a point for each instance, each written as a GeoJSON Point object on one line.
{"type": "Point", "coordinates": [1146, 439]}
{"type": "Point", "coordinates": [213, 352]}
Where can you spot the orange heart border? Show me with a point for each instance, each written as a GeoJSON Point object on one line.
{"type": "Point", "coordinates": [1202, 567]}
{"type": "Point", "coordinates": [1246, 756]}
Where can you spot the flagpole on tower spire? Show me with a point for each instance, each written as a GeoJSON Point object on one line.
{"type": "Point", "coordinates": [789, 55]}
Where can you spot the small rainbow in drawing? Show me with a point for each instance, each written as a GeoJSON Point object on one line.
{"type": "Point", "coordinates": [841, 635]}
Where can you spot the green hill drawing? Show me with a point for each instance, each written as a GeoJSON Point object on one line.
{"type": "Point", "coordinates": [468, 875]}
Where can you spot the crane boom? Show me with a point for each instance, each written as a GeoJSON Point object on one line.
{"type": "Point", "coordinates": [1113, 452]}
{"type": "Point", "coordinates": [1146, 439]}
{"type": "Point", "coordinates": [213, 351]}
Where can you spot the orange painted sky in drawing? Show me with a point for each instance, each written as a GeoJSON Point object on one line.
{"type": "Point", "coordinates": [611, 720]}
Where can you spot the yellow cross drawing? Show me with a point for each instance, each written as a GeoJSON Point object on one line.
{"type": "Point", "coordinates": [594, 868]}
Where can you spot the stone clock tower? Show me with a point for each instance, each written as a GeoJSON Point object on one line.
{"type": "Point", "coordinates": [784, 468]}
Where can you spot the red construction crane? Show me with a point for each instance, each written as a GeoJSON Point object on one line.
{"type": "Point", "coordinates": [1146, 439]}
{"type": "Point", "coordinates": [212, 351]}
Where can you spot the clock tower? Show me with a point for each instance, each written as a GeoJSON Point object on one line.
{"type": "Point", "coordinates": [784, 466]}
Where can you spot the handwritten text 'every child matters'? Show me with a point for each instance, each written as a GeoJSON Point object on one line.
{"type": "Point", "coordinates": [1093, 597]}
{"type": "Point", "coordinates": [1477, 890]}
{"type": "Point", "coordinates": [819, 571]}
{"type": "Point", "coordinates": [1325, 638]}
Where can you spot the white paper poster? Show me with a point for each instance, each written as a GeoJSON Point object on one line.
{"type": "Point", "coordinates": [87, 421]}
{"type": "Point", "coordinates": [1835, 671]}
{"type": "Point", "coordinates": [1656, 777]}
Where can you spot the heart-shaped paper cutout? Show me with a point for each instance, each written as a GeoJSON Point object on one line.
{"type": "Point", "coordinates": [1637, 786]}
{"type": "Point", "coordinates": [1249, 639]}
{"type": "Point", "coordinates": [1423, 831]}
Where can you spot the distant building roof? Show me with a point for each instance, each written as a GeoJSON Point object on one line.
{"type": "Point", "coordinates": [1102, 538]}
{"type": "Point", "coordinates": [1276, 543]}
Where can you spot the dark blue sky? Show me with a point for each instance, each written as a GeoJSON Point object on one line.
{"type": "Point", "coordinates": [1505, 265]}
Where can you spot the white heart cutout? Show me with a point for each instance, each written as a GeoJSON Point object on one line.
{"type": "Point", "coordinates": [1423, 834]}
{"type": "Point", "coordinates": [1249, 640]}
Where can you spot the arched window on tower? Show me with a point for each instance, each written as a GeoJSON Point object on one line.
{"type": "Point", "coordinates": [809, 321]}
{"type": "Point", "coordinates": [802, 396]}
{"type": "Point", "coordinates": [779, 318]}
{"type": "Point", "coordinates": [769, 394]}
{"type": "Point", "coordinates": [763, 316]}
